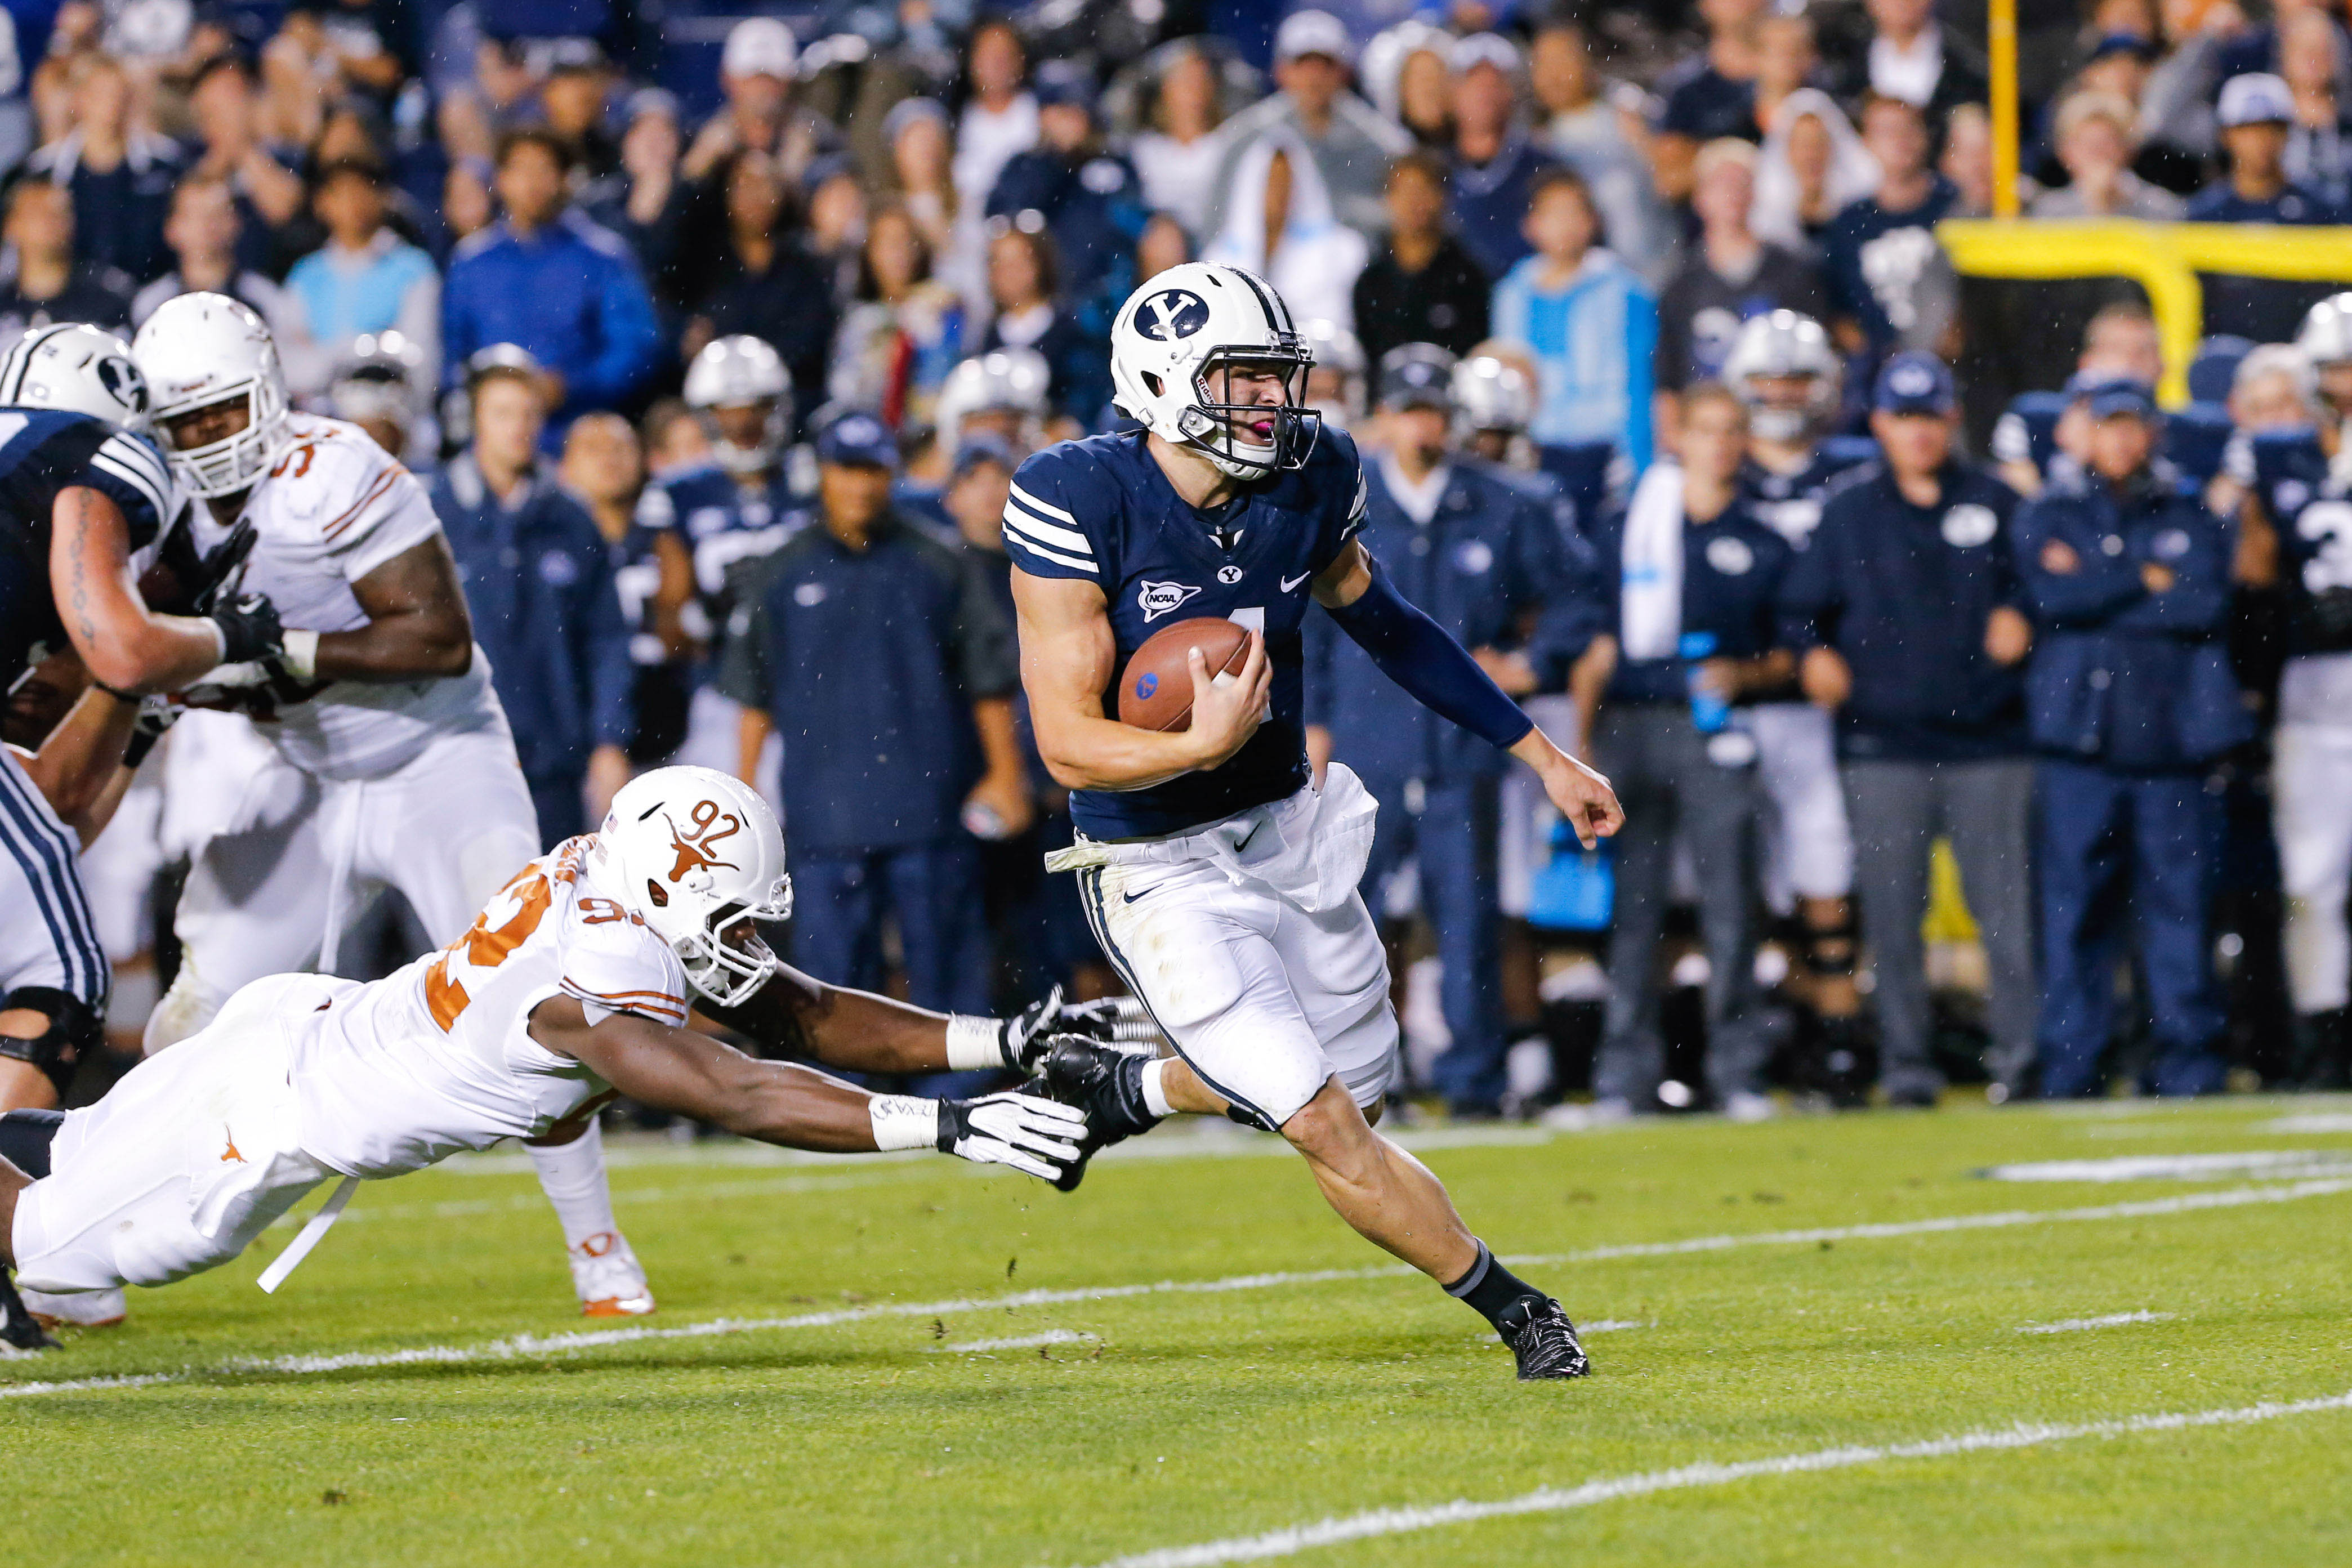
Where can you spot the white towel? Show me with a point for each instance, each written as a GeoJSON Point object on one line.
{"type": "Point", "coordinates": [1650, 610]}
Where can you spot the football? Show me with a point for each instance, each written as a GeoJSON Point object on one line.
{"type": "Point", "coordinates": [1156, 691]}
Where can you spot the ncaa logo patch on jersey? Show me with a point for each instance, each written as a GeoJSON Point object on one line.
{"type": "Point", "coordinates": [1171, 314]}
{"type": "Point", "coordinates": [1157, 598]}
{"type": "Point", "coordinates": [1967, 526]}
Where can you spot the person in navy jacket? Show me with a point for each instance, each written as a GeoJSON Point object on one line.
{"type": "Point", "coordinates": [546, 278]}
{"type": "Point", "coordinates": [1909, 613]}
{"type": "Point", "coordinates": [1484, 559]}
{"type": "Point", "coordinates": [877, 649]}
{"type": "Point", "coordinates": [1694, 573]}
{"type": "Point", "coordinates": [538, 581]}
{"type": "Point", "coordinates": [2131, 699]}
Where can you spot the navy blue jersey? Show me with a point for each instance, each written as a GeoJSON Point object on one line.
{"type": "Point", "coordinates": [1101, 510]}
{"type": "Point", "coordinates": [1790, 503]}
{"type": "Point", "coordinates": [2312, 510]}
{"type": "Point", "coordinates": [722, 523]}
{"type": "Point", "coordinates": [1733, 565]}
{"type": "Point", "coordinates": [42, 452]}
{"type": "Point", "coordinates": [2027, 430]}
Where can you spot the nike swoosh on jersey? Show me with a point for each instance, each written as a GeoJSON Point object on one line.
{"type": "Point", "coordinates": [1290, 582]}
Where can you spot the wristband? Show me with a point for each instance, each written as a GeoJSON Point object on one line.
{"type": "Point", "coordinates": [904, 1121]}
{"type": "Point", "coordinates": [974, 1044]}
{"type": "Point", "coordinates": [299, 656]}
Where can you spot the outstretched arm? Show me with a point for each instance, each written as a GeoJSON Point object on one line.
{"type": "Point", "coordinates": [794, 1015]}
{"type": "Point", "coordinates": [1415, 652]}
{"type": "Point", "coordinates": [124, 644]}
{"type": "Point", "coordinates": [780, 1102]}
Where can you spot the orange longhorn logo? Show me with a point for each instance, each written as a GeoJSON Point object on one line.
{"type": "Point", "coordinates": [694, 847]}
{"type": "Point", "coordinates": [229, 1137]}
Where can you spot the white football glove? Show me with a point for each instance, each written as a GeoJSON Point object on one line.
{"type": "Point", "coordinates": [1040, 1137]}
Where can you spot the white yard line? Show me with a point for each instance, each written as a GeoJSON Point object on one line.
{"type": "Point", "coordinates": [535, 1346]}
{"type": "Point", "coordinates": [1290, 1542]}
{"type": "Point", "coordinates": [2111, 1321]}
{"type": "Point", "coordinates": [2271, 1165]}
{"type": "Point", "coordinates": [1018, 1342]}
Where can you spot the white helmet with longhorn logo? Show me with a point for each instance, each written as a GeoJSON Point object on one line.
{"type": "Point", "coordinates": [697, 856]}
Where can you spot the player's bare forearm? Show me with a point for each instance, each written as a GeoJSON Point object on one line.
{"type": "Point", "coordinates": [123, 644]}
{"type": "Point", "coordinates": [858, 1031]}
{"type": "Point", "coordinates": [78, 769]}
{"type": "Point", "coordinates": [1067, 654]}
{"type": "Point", "coordinates": [694, 1075]}
{"type": "Point", "coordinates": [417, 626]}
{"type": "Point", "coordinates": [1583, 796]}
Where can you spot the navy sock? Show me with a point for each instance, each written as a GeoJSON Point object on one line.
{"type": "Point", "coordinates": [1489, 1287]}
{"type": "Point", "coordinates": [24, 1139]}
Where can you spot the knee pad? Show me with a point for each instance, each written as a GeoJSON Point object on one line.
{"type": "Point", "coordinates": [1832, 950]}
{"type": "Point", "coordinates": [25, 1137]}
{"type": "Point", "coordinates": [74, 1028]}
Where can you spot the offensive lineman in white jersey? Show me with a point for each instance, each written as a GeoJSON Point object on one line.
{"type": "Point", "coordinates": [393, 764]}
{"type": "Point", "coordinates": [570, 986]}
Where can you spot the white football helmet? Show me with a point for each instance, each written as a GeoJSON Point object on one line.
{"type": "Point", "coordinates": [697, 856]}
{"type": "Point", "coordinates": [203, 349]}
{"type": "Point", "coordinates": [1493, 394]}
{"type": "Point", "coordinates": [740, 371]}
{"type": "Point", "coordinates": [1187, 323]}
{"type": "Point", "coordinates": [82, 369]}
{"type": "Point", "coordinates": [1013, 381]}
{"type": "Point", "coordinates": [1784, 344]}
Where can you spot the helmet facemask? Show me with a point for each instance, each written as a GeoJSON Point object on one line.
{"type": "Point", "coordinates": [236, 462]}
{"type": "Point", "coordinates": [728, 960]}
{"type": "Point", "coordinates": [742, 461]}
{"type": "Point", "coordinates": [1209, 422]}
{"type": "Point", "coordinates": [1772, 415]}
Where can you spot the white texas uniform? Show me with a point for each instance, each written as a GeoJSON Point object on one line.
{"type": "Point", "coordinates": [412, 785]}
{"type": "Point", "coordinates": [302, 1078]}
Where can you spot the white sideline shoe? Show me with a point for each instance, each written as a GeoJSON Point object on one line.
{"type": "Point", "coordinates": [80, 1310]}
{"type": "Point", "coordinates": [609, 1279]}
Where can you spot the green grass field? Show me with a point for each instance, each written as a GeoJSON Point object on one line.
{"type": "Point", "coordinates": [1771, 1395]}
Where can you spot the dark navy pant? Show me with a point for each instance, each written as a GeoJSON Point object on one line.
{"type": "Point", "coordinates": [2143, 849]}
{"type": "Point", "coordinates": [1452, 843]}
{"type": "Point", "coordinates": [933, 890]}
{"type": "Point", "coordinates": [563, 813]}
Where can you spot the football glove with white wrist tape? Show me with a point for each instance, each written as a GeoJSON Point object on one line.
{"type": "Point", "coordinates": [1038, 1136]}
{"type": "Point", "coordinates": [248, 628]}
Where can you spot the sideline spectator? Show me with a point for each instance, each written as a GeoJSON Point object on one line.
{"type": "Point", "coordinates": [876, 649]}
{"type": "Point", "coordinates": [202, 232]}
{"type": "Point", "coordinates": [1812, 169]}
{"type": "Point", "coordinates": [603, 468]}
{"type": "Point", "coordinates": [762, 284]}
{"type": "Point", "coordinates": [1916, 58]}
{"type": "Point", "coordinates": [999, 121]}
{"type": "Point", "coordinates": [1906, 605]}
{"type": "Point", "coordinates": [364, 280]}
{"type": "Point", "coordinates": [898, 343]}
{"type": "Point", "coordinates": [1730, 276]}
{"type": "Point", "coordinates": [1693, 576]}
{"type": "Point", "coordinates": [756, 72]}
{"type": "Point", "coordinates": [269, 196]}
{"type": "Point", "coordinates": [2132, 700]}
{"type": "Point", "coordinates": [922, 164]}
{"type": "Point", "coordinates": [2319, 145]}
{"type": "Point", "coordinates": [1787, 61]}
{"type": "Point", "coordinates": [545, 279]}
{"type": "Point", "coordinates": [1089, 196]}
{"type": "Point", "coordinates": [40, 282]}
{"type": "Point", "coordinates": [1588, 320]}
{"type": "Point", "coordinates": [120, 175]}
{"type": "Point", "coordinates": [538, 581]}
{"type": "Point", "coordinates": [1279, 225]}
{"type": "Point", "coordinates": [1890, 284]}
{"type": "Point", "coordinates": [1177, 158]}
{"type": "Point", "coordinates": [2094, 136]}
{"type": "Point", "coordinates": [1423, 287]}
{"type": "Point", "coordinates": [1708, 95]}
{"type": "Point", "coordinates": [2255, 113]}
{"type": "Point", "coordinates": [1494, 166]}
{"type": "Point", "coordinates": [1023, 275]}
{"type": "Point", "coordinates": [1589, 127]}
{"type": "Point", "coordinates": [1351, 142]}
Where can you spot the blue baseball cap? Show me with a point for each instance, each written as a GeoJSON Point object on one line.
{"type": "Point", "coordinates": [1062, 82]}
{"type": "Point", "coordinates": [981, 447]}
{"type": "Point", "coordinates": [1914, 382]}
{"type": "Point", "coordinates": [858, 438]}
{"type": "Point", "coordinates": [2119, 395]}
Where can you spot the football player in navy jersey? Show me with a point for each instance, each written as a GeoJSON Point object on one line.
{"type": "Point", "coordinates": [738, 507]}
{"type": "Point", "coordinates": [1218, 880]}
{"type": "Point", "coordinates": [1783, 370]}
{"type": "Point", "coordinates": [2296, 510]}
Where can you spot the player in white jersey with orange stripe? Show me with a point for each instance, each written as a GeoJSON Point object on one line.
{"type": "Point", "coordinates": [393, 766]}
{"type": "Point", "coordinates": [568, 989]}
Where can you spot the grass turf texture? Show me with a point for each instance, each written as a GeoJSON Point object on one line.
{"type": "Point", "coordinates": [1194, 1418]}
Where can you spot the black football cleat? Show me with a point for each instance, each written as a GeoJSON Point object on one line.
{"type": "Point", "coordinates": [18, 1326]}
{"type": "Point", "coordinates": [1104, 1082]}
{"type": "Point", "coordinates": [1543, 1340]}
